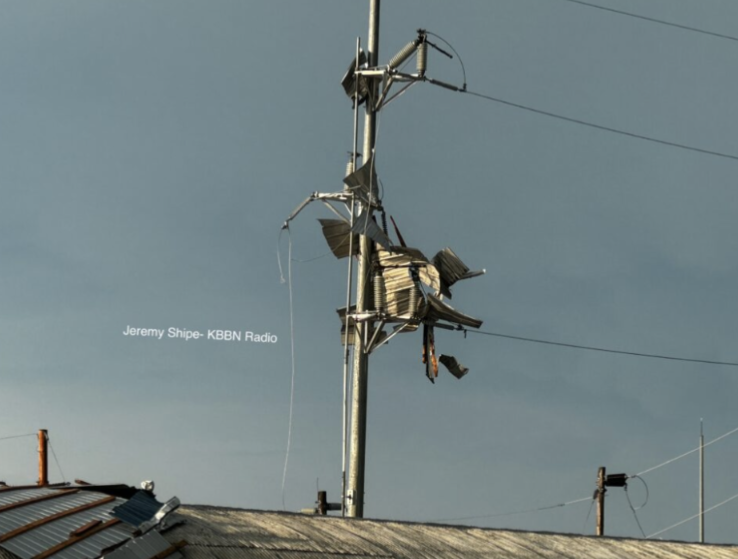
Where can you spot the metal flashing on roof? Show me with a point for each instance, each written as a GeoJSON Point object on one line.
{"type": "Point", "coordinates": [138, 509]}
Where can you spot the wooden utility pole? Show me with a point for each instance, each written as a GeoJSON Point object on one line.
{"type": "Point", "coordinates": [601, 501]}
{"type": "Point", "coordinates": [357, 447]}
{"type": "Point", "coordinates": [43, 457]}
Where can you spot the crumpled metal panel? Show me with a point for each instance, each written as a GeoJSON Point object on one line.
{"type": "Point", "coordinates": [138, 509]}
{"type": "Point", "coordinates": [453, 366]}
{"type": "Point", "coordinates": [337, 235]}
{"type": "Point", "coordinates": [438, 310]}
{"type": "Point", "coordinates": [364, 225]}
{"type": "Point", "coordinates": [396, 271]}
{"type": "Point", "coordinates": [363, 181]}
{"type": "Point", "coordinates": [147, 546]}
{"type": "Point", "coordinates": [451, 269]}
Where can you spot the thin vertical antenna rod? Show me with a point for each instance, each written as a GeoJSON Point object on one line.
{"type": "Point", "coordinates": [348, 294]}
{"type": "Point", "coordinates": [702, 484]}
{"type": "Point", "coordinates": [355, 494]}
{"type": "Point", "coordinates": [43, 458]}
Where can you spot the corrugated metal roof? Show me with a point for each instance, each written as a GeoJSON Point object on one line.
{"type": "Point", "coordinates": [40, 520]}
{"type": "Point", "coordinates": [78, 523]}
{"type": "Point", "coordinates": [220, 533]}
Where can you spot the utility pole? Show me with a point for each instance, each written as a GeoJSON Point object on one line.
{"type": "Point", "coordinates": [43, 460]}
{"type": "Point", "coordinates": [702, 485]}
{"type": "Point", "coordinates": [601, 501]}
{"type": "Point", "coordinates": [357, 448]}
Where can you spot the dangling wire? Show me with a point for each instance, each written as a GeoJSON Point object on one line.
{"type": "Point", "coordinates": [584, 526]}
{"type": "Point", "coordinates": [292, 351]}
{"type": "Point", "coordinates": [463, 69]}
{"type": "Point", "coordinates": [635, 515]}
{"type": "Point", "coordinates": [279, 255]}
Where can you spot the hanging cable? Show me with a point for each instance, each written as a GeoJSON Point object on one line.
{"type": "Point", "coordinates": [292, 381]}
{"type": "Point", "coordinates": [602, 349]}
{"type": "Point", "coordinates": [589, 512]}
{"type": "Point", "coordinates": [653, 20]}
{"type": "Point", "coordinates": [633, 510]}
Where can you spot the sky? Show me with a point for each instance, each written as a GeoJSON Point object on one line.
{"type": "Point", "coordinates": [152, 150]}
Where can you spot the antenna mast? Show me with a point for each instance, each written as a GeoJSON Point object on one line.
{"type": "Point", "coordinates": [357, 448]}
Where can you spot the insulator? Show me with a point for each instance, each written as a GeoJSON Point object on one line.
{"type": "Point", "coordinates": [349, 167]}
{"type": "Point", "coordinates": [380, 300]}
{"type": "Point", "coordinates": [384, 223]}
{"type": "Point", "coordinates": [422, 59]}
{"type": "Point", "coordinates": [413, 301]}
{"type": "Point", "coordinates": [406, 52]}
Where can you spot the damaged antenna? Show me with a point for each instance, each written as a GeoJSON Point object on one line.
{"type": "Point", "coordinates": [397, 286]}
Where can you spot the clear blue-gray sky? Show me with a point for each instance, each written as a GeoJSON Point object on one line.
{"type": "Point", "coordinates": [150, 152]}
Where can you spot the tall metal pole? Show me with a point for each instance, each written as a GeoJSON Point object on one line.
{"type": "Point", "coordinates": [355, 493]}
{"type": "Point", "coordinates": [702, 485]}
{"type": "Point", "coordinates": [601, 502]}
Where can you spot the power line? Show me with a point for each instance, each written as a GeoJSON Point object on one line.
{"type": "Point", "coordinates": [526, 511]}
{"type": "Point", "coordinates": [17, 437]}
{"type": "Point", "coordinates": [602, 349]}
{"type": "Point", "coordinates": [713, 441]}
{"type": "Point", "coordinates": [693, 517]}
{"type": "Point", "coordinates": [599, 126]}
{"type": "Point", "coordinates": [654, 20]}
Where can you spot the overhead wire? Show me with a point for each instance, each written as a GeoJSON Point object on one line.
{"type": "Point", "coordinates": [601, 349]}
{"type": "Point", "coordinates": [514, 513]}
{"type": "Point", "coordinates": [726, 501]}
{"type": "Point", "coordinates": [667, 462]}
{"type": "Point", "coordinates": [653, 20]}
{"type": "Point", "coordinates": [599, 126]}
{"type": "Point", "coordinates": [17, 436]}
{"type": "Point", "coordinates": [464, 89]}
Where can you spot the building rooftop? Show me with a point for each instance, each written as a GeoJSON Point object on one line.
{"type": "Point", "coordinates": [120, 522]}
